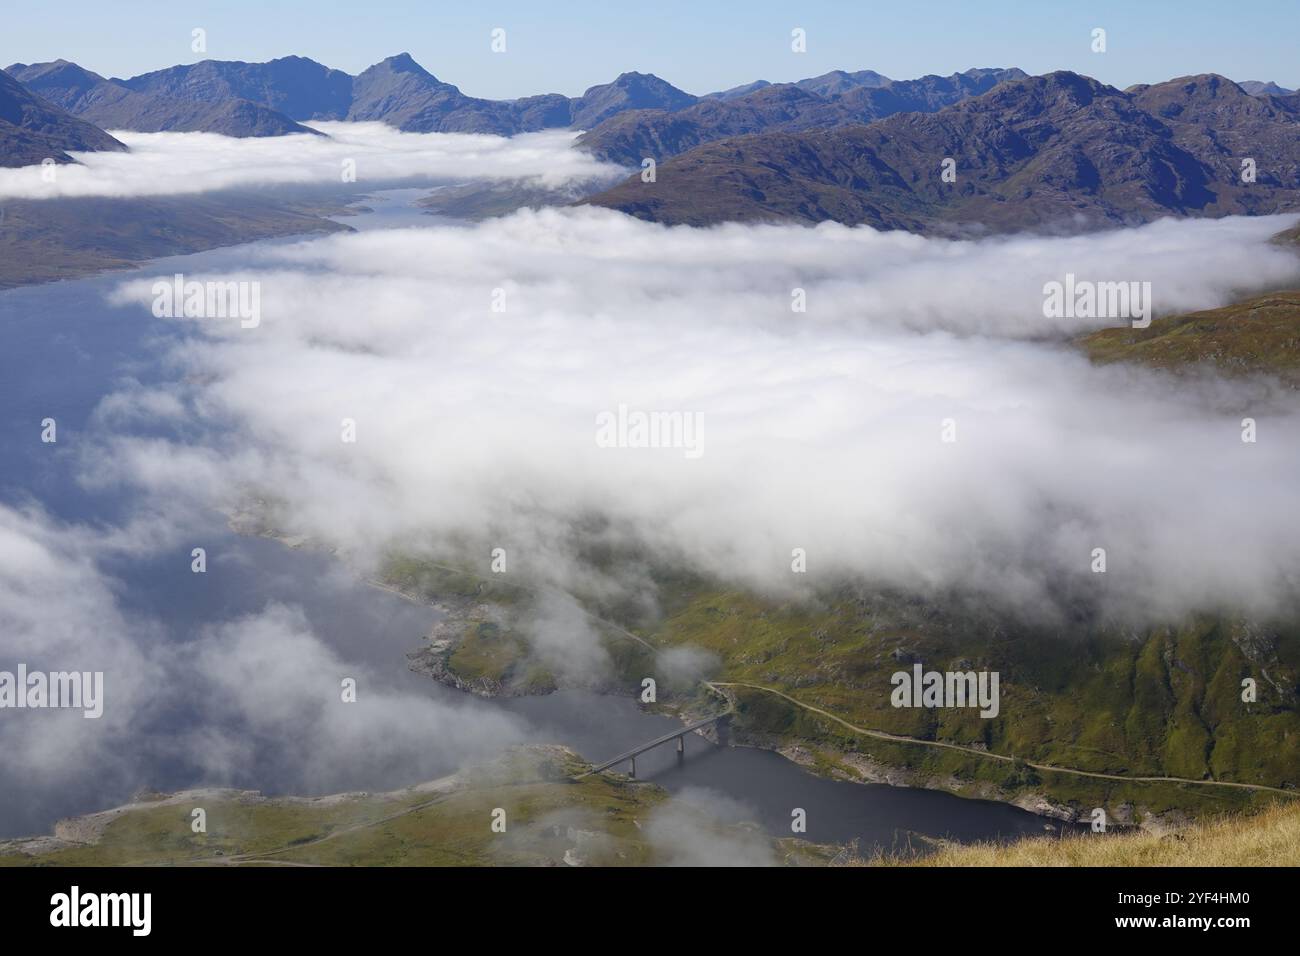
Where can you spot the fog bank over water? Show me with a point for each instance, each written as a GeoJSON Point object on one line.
{"type": "Point", "coordinates": [170, 164]}
{"type": "Point", "coordinates": [475, 362]}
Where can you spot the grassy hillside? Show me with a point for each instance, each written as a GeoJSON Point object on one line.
{"type": "Point", "coordinates": [445, 824]}
{"type": "Point", "coordinates": [1162, 703]}
{"type": "Point", "coordinates": [1270, 838]}
{"type": "Point", "coordinates": [1260, 334]}
{"type": "Point", "coordinates": [551, 819]}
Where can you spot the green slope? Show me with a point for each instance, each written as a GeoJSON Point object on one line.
{"type": "Point", "coordinates": [1260, 334]}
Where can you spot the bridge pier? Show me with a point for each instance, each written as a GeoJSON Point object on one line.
{"type": "Point", "coordinates": [678, 735]}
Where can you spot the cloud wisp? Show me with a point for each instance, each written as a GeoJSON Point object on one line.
{"type": "Point", "coordinates": [250, 700]}
{"type": "Point", "coordinates": [374, 154]}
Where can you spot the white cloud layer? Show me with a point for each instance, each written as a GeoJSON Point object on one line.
{"type": "Point", "coordinates": [169, 164]}
{"type": "Point", "coordinates": [820, 430]}
{"type": "Point", "coordinates": [254, 698]}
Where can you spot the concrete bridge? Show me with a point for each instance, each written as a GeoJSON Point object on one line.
{"type": "Point", "coordinates": [678, 735]}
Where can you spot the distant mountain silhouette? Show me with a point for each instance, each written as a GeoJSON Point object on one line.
{"type": "Point", "coordinates": [400, 92]}
{"type": "Point", "coordinates": [32, 129]}
{"type": "Point", "coordinates": [268, 99]}
{"type": "Point", "coordinates": [188, 99]}
{"type": "Point", "coordinates": [1060, 151]}
{"type": "Point", "coordinates": [837, 82]}
{"type": "Point", "coordinates": [735, 91]}
{"type": "Point", "coordinates": [273, 98]}
{"type": "Point", "coordinates": [1259, 88]}
{"type": "Point", "coordinates": [828, 84]}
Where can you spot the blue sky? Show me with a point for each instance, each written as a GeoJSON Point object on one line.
{"type": "Point", "coordinates": [699, 46]}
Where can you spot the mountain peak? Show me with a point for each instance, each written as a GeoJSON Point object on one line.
{"type": "Point", "coordinates": [1068, 79]}
{"type": "Point", "coordinates": [62, 82]}
{"type": "Point", "coordinates": [628, 91]}
{"type": "Point", "coordinates": [1063, 87]}
{"type": "Point", "coordinates": [1210, 84]}
{"type": "Point", "coordinates": [632, 80]}
{"type": "Point", "coordinates": [841, 81]}
{"type": "Point", "coordinates": [60, 67]}
{"type": "Point", "coordinates": [403, 63]}
{"type": "Point", "coordinates": [1007, 73]}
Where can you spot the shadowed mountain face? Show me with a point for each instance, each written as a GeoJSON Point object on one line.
{"type": "Point", "coordinates": [852, 98]}
{"type": "Point", "coordinates": [157, 106]}
{"type": "Point", "coordinates": [33, 129]}
{"type": "Point", "coordinates": [300, 88]}
{"type": "Point", "coordinates": [1221, 124]}
{"type": "Point", "coordinates": [1059, 152]}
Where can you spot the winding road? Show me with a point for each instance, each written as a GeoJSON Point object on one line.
{"type": "Point", "coordinates": [1050, 768]}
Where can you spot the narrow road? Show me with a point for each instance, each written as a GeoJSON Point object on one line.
{"type": "Point", "coordinates": [898, 738]}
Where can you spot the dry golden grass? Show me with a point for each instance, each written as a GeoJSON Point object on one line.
{"type": "Point", "coordinates": [1269, 838]}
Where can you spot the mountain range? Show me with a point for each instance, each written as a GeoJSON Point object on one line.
{"type": "Point", "coordinates": [1060, 151]}
{"type": "Point", "coordinates": [235, 98]}
{"type": "Point", "coordinates": [822, 102]}
{"type": "Point", "coordinates": [152, 104]}
{"type": "Point", "coordinates": [828, 84]}
{"type": "Point", "coordinates": [274, 98]}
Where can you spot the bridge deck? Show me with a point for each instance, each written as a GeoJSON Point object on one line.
{"type": "Point", "coordinates": [689, 728]}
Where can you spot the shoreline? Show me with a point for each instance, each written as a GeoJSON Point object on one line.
{"type": "Point", "coordinates": [431, 659]}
